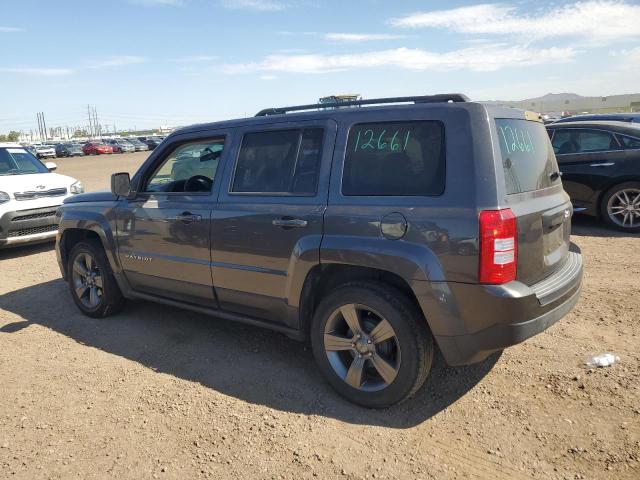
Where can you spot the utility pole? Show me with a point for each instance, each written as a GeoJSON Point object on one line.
{"type": "Point", "coordinates": [90, 123]}
{"type": "Point", "coordinates": [46, 137]}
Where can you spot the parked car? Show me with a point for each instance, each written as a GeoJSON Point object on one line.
{"type": "Point", "coordinates": [151, 142]}
{"type": "Point", "coordinates": [44, 151]}
{"type": "Point", "coordinates": [120, 146]}
{"type": "Point", "coordinates": [29, 196]}
{"type": "Point", "coordinates": [69, 150]}
{"type": "Point", "coordinates": [137, 144]}
{"type": "Point", "coordinates": [600, 165]}
{"type": "Point", "coordinates": [592, 117]}
{"type": "Point", "coordinates": [375, 232]}
{"type": "Point", "coordinates": [96, 148]}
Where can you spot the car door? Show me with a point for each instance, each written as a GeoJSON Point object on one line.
{"type": "Point", "coordinates": [164, 231]}
{"type": "Point", "coordinates": [588, 158]}
{"type": "Point", "coordinates": [267, 226]}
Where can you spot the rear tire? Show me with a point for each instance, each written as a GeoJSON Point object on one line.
{"type": "Point", "coordinates": [620, 207]}
{"type": "Point", "coordinates": [93, 286]}
{"type": "Point", "coordinates": [385, 363]}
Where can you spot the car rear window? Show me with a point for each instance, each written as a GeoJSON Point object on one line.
{"type": "Point", "coordinates": [527, 157]}
{"type": "Point", "coordinates": [395, 158]}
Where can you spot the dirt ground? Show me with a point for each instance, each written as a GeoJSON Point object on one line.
{"type": "Point", "coordinates": [157, 392]}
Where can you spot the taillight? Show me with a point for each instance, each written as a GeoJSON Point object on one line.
{"type": "Point", "coordinates": [498, 246]}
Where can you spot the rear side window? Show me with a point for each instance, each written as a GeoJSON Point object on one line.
{"type": "Point", "coordinates": [629, 142]}
{"type": "Point", "coordinates": [279, 162]}
{"type": "Point", "coordinates": [527, 157]}
{"type": "Point", "coordinates": [395, 158]}
{"type": "Point", "coordinates": [575, 140]}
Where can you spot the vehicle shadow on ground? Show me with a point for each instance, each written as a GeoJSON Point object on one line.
{"type": "Point", "coordinates": [588, 226]}
{"type": "Point", "coordinates": [251, 364]}
{"type": "Point", "coordinates": [26, 250]}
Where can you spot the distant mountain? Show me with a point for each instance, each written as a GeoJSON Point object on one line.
{"type": "Point", "coordinates": [574, 103]}
{"type": "Point", "coordinates": [549, 97]}
{"type": "Point", "coordinates": [554, 97]}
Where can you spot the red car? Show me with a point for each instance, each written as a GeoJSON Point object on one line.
{"type": "Point", "coordinates": [96, 148]}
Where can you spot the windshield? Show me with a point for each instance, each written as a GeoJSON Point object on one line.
{"type": "Point", "coordinates": [527, 156]}
{"type": "Point", "coordinates": [17, 161]}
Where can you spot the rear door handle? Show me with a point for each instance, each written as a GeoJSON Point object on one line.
{"type": "Point", "coordinates": [289, 222]}
{"type": "Point", "coordinates": [604, 164]}
{"type": "Point", "coordinates": [187, 217]}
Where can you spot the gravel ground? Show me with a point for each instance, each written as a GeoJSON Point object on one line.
{"type": "Point", "coordinates": [157, 392]}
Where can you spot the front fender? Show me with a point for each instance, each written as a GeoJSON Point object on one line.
{"type": "Point", "coordinates": [87, 217]}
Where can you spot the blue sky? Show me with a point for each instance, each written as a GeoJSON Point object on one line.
{"type": "Point", "coordinates": [149, 62]}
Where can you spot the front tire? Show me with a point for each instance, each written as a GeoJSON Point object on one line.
{"type": "Point", "coordinates": [620, 207]}
{"type": "Point", "coordinates": [93, 286]}
{"type": "Point", "coordinates": [372, 344]}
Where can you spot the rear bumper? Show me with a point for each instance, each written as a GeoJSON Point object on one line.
{"type": "Point", "coordinates": [481, 319]}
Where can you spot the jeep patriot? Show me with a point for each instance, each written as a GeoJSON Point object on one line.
{"type": "Point", "coordinates": [376, 231]}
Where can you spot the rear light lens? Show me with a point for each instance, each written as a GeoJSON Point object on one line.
{"type": "Point", "coordinates": [498, 246]}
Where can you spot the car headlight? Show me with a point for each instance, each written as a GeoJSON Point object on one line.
{"type": "Point", "coordinates": [77, 188]}
{"type": "Point", "coordinates": [4, 197]}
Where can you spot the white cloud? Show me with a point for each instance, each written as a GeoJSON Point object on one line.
{"type": "Point", "coordinates": [360, 37]}
{"type": "Point", "coordinates": [258, 5]}
{"type": "Point", "coordinates": [268, 77]}
{"type": "Point", "coordinates": [158, 3]}
{"type": "Point", "coordinates": [592, 19]}
{"type": "Point", "coordinates": [10, 29]}
{"type": "Point", "coordinates": [483, 59]}
{"type": "Point", "coordinates": [40, 72]}
{"type": "Point", "coordinates": [117, 61]}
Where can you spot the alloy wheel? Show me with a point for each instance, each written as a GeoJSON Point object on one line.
{"type": "Point", "coordinates": [623, 207]}
{"type": "Point", "coordinates": [87, 281]}
{"type": "Point", "coordinates": [362, 347]}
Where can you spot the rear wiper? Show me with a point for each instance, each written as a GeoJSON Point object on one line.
{"type": "Point", "coordinates": [555, 175]}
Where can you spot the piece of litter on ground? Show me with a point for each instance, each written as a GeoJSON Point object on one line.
{"type": "Point", "coordinates": [602, 360]}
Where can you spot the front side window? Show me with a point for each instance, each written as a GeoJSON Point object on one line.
{"type": "Point", "coordinates": [583, 141]}
{"type": "Point", "coordinates": [18, 161]}
{"type": "Point", "coordinates": [394, 158]}
{"type": "Point", "coordinates": [189, 168]}
{"type": "Point", "coordinates": [279, 162]}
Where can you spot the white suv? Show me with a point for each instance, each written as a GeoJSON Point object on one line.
{"type": "Point", "coordinates": [29, 196]}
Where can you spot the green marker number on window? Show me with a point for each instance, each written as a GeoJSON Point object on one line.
{"type": "Point", "coordinates": [516, 140]}
{"type": "Point", "coordinates": [381, 140]}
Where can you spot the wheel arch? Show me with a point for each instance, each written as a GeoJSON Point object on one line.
{"type": "Point", "coordinates": [323, 278]}
{"type": "Point", "coordinates": [78, 225]}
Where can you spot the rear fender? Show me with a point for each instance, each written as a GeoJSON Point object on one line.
{"type": "Point", "coordinates": [416, 264]}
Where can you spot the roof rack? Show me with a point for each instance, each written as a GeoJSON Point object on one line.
{"type": "Point", "coordinates": [441, 98]}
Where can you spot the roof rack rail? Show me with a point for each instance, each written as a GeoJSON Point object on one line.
{"type": "Point", "coordinates": [441, 98]}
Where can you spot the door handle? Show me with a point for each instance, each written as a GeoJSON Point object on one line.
{"type": "Point", "coordinates": [187, 217]}
{"type": "Point", "coordinates": [604, 164]}
{"type": "Point", "coordinates": [289, 222]}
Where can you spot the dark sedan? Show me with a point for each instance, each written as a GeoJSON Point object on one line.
{"type": "Point", "coordinates": [69, 150]}
{"type": "Point", "coordinates": [151, 142]}
{"type": "Point", "coordinates": [600, 165]}
{"type": "Point", "coordinates": [600, 117]}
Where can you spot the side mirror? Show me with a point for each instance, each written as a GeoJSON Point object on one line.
{"type": "Point", "coordinates": [51, 166]}
{"type": "Point", "coordinates": [121, 184]}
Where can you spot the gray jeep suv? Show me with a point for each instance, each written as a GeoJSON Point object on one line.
{"type": "Point", "coordinates": [375, 231]}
